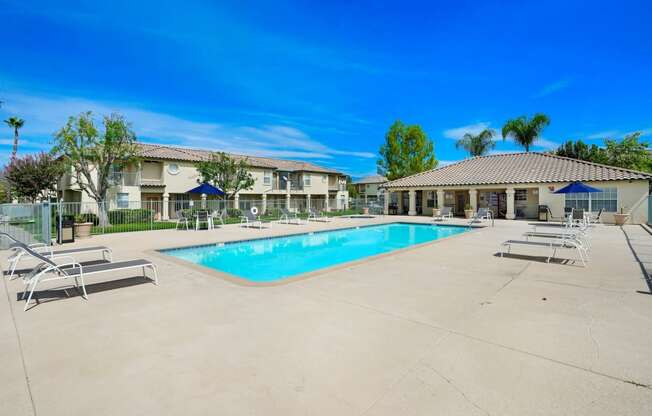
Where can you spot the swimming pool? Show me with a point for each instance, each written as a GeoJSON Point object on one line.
{"type": "Point", "coordinates": [277, 258]}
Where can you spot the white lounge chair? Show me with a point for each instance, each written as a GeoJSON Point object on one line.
{"type": "Point", "coordinates": [288, 217]}
{"type": "Point", "coordinates": [249, 219]}
{"type": "Point", "coordinates": [203, 217]}
{"type": "Point", "coordinates": [74, 270]}
{"type": "Point", "coordinates": [20, 251]}
{"type": "Point", "coordinates": [553, 245]}
{"type": "Point", "coordinates": [445, 212]}
{"type": "Point", "coordinates": [317, 216]}
{"type": "Point", "coordinates": [571, 234]}
{"type": "Point", "coordinates": [218, 216]}
{"type": "Point", "coordinates": [595, 218]}
{"type": "Point", "coordinates": [182, 220]}
{"type": "Point", "coordinates": [483, 214]}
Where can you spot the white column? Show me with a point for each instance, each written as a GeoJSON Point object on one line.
{"type": "Point", "coordinates": [440, 198]}
{"type": "Point", "coordinates": [413, 202]}
{"type": "Point", "coordinates": [308, 201]}
{"type": "Point", "coordinates": [387, 197]}
{"type": "Point", "coordinates": [166, 206]}
{"type": "Point", "coordinates": [236, 201]}
{"type": "Point", "coordinates": [424, 201]}
{"type": "Point", "coordinates": [328, 204]}
{"type": "Point", "coordinates": [203, 201]}
{"type": "Point", "coordinates": [510, 215]}
{"type": "Point", "coordinates": [287, 201]}
{"type": "Point", "coordinates": [264, 207]}
{"type": "Point", "coordinates": [473, 199]}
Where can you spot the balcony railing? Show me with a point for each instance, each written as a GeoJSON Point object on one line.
{"type": "Point", "coordinates": [124, 178]}
{"type": "Point", "coordinates": [296, 186]}
{"type": "Point", "coordinates": [151, 181]}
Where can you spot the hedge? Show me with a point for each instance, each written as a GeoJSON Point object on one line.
{"type": "Point", "coordinates": [130, 216]}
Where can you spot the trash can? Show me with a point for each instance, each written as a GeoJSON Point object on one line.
{"type": "Point", "coordinates": [543, 212]}
{"type": "Point", "coordinates": [66, 229]}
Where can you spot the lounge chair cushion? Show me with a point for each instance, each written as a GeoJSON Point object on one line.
{"type": "Point", "coordinates": [105, 267]}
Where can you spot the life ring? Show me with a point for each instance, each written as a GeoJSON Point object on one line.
{"type": "Point", "coordinates": [254, 210]}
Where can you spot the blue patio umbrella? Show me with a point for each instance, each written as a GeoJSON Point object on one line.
{"type": "Point", "coordinates": [207, 189]}
{"type": "Point", "coordinates": [578, 188]}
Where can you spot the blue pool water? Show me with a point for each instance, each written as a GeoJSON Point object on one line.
{"type": "Point", "coordinates": [271, 259]}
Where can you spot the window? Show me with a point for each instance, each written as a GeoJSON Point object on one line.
{"type": "Point", "coordinates": [267, 178]}
{"type": "Point", "coordinates": [306, 180]}
{"type": "Point", "coordinates": [324, 178]}
{"type": "Point", "coordinates": [173, 168]}
{"type": "Point", "coordinates": [520, 195]}
{"type": "Point", "coordinates": [606, 200]}
{"type": "Point", "coordinates": [431, 199]}
{"type": "Point", "coordinates": [123, 200]}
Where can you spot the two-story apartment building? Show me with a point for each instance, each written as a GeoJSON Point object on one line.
{"type": "Point", "coordinates": [369, 186]}
{"type": "Point", "coordinates": [167, 173]}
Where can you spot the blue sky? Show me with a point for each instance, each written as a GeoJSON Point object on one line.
{"type": "Point", "coordinates": [322, 81]}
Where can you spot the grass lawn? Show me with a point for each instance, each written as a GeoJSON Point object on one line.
{"type": "Point", "coordinates": [143, 226]}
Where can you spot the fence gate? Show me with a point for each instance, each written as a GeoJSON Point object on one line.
{"type": "Point", "coordinates": [29, 223]}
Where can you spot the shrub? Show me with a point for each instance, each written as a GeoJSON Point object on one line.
{"type": "Point", "coordinates": [233, 212]}
{"type": "Point", "coordinates": [130, 216]}
{"type": "Point", "coordinates": [88, 217]}
{"type": "Point", "coordinates": [273, 212]}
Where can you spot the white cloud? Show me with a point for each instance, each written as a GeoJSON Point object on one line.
{"type": "Point", "coordinates": [611, 134]}
{"type": "Point", "coordinates": [553, 87]}
{"type": "Point", "coordinates": [545, 144]}
{"type": "Point", "coordinates": [45, 114]}
{"type": "Point", "coordinates": [604, 134]}
{"type": "Point", "coordinates": [443, 163]}
{"type": "Point", "coordinates": [503, 152]}
{"type": "Point", "coordinates": [458, 132]}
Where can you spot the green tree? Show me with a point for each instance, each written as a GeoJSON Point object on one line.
{"type": "Point", "coordinates": [351, 188]}
{"type": "Point", "coordinates": [93, 155]}
{"type": "Point", "coordinates": [477, 144]}
{"type": "Point", "coordinates": [34, 177]}
{"type": "Point", "coordinates": [582, 151]}
{"type": "Point", "coordinates": [227, 173]}
{"type": "Point", "coordinates": [525, 131]}
{"type": "Point", "coordinates": [629, 153]}
{"type": "Point", "coordinates": [16, 124]}
{"type": "Point", "coordinates": [406, 151]}
{"type": "Point", "coordinates": [5, 190]}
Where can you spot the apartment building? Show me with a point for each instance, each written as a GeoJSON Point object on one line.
{"type": "Point", "coordinates": [369, 186]}
{"type": "Point", "coordinates": [167, 173]}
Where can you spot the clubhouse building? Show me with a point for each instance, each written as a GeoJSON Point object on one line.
{"type": "Point", "coordinates": [517, 185]}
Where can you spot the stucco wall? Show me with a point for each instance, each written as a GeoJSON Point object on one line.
{"type": "Point", "coordinates": [632, 197]}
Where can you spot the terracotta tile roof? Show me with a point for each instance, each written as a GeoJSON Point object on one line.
{"type": "Point", "coordinates": [512, 168]}
{"type": "Point", "coordinates": [156, 151]}
{"type": "Point", "coordinates": [371, 179]}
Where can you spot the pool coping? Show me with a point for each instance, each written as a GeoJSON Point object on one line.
{"type": "Point", "coordinates": [241, 281]}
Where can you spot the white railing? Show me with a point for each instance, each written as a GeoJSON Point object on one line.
{"type": "Point", "coordinates": [38, 222]}
{"type": "Point", "coordinates": [124, 178]}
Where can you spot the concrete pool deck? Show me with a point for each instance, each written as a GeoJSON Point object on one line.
{"type": "Point", "coordinates": [445, 328]}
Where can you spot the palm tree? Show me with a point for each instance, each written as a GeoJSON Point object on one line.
{"type": "Point", "coordinates": [15, 123]}
{"type": "Point", "coordinates": [477, 144]}
{"type": "Point", "coordinates": [524, 131]}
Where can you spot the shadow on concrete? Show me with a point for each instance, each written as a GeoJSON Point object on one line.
{"type": "Point", "coordinates": [541, 259]}
{"type": "Point", "coordinates": [639, 251]}
{"type": "Point", "coordinates": [51, 295]}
